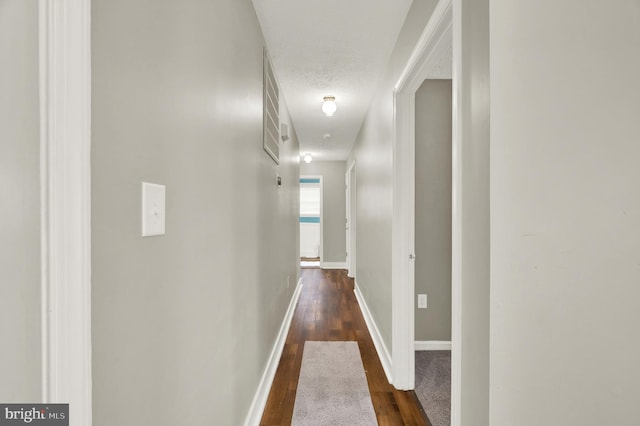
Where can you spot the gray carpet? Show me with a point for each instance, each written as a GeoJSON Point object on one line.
{"type": "Point", "coordinates": [433, 385]}
{"type": "Point", "coordinates": [332, 389]}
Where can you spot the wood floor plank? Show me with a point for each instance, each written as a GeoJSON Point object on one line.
{"type": "Point", "coordinates": [327, 310]}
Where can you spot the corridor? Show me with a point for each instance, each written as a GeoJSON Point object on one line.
{"type": "Point", "coordinates": [328, 311]}
{"type": "Point", "coordinates": [151, 155]}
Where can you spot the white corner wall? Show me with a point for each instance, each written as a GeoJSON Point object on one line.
{"type": "Point", "coordinates": [565, 212]}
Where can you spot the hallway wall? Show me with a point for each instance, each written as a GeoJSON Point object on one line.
{"type": "Point", "coordinates": [183, 324]}
{"type": "Point", "coordinates": [334, 207]}
{"type": "Point", "coordinates": [373, 153]}
{"type": "Point", "coordinates": [20, 331]}
{"type": "Point", "coordinates": [565, 212]}
{"type": "Point", "coordinates": [433, 209]}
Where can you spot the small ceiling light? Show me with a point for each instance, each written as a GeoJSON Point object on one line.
{"type": "Point", "coordinates": [329, 106]}
{"type": "Point", "coordinates": [326, 136]}
{"type": "Point", "coordinates": [307, 158]}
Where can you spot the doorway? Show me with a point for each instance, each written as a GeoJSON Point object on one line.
{"type": "Point", "coordinates": [433, 217]}
{"type": "Point", "coordinates": [432, 59]}
{"type": "Point", "coordinates": [433, 176]}
{"type": "Point", "coordinates": [350, 181]}
{"type": "Point", "coordinates": [455, 40]}
{"type": "Point", "coordinates": [310, 221]}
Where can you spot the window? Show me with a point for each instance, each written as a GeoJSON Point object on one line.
{"type": "Point", "coordinates": [309, 200]}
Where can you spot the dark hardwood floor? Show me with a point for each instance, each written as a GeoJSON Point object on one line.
{"type": "Point", "coordinates": [328, 310]}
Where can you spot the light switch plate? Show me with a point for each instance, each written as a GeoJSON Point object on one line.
{"type": "Point", "coordinates": [153, 209]}
{"type": "Point", "coordinates": [422, 301]}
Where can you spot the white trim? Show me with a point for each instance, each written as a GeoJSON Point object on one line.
{"type": "Point", "coordinates": [422, 62]}
{"type": "Point", "coordinates": [333, 265]}
{"type": "Point", "coordinates": [378, 341]}
{"type": "Point", "coordinates": [262, 393]}
{"type": "Point", "coordinates": [65, 117]}
{"type": "Point", "coordinates": [347, 223]}
{"type": "Point", "coordinates": [456, 221]}
{"type": "Point", "coordinates": [43, 41]}
{"type": "Point", "coordinates": [432, 345]}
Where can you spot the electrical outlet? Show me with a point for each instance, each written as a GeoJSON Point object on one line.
{"type": "Point", "coordinates": [422, 301]}
{"type": "Point", "coordinates": [287, 281]}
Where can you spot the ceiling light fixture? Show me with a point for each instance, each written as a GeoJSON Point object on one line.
{"type": "Point", "coordinates": [329, 106]}
{"type": "Point", "coordinates": [307, 158]}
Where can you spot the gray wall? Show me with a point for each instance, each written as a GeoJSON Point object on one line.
{"type": "Point", "coordinates": [185, 321]}
{"type": "Point", "coordinates": [433, 209]}
{"type": "Point", "coordinates": [334, 206]}
{"type": "Point", "coordinates": [20, 367]}
{"type": "Point", "coordinates": [565, 212]}
{"type": "Point", "coordinates": [373, 153]}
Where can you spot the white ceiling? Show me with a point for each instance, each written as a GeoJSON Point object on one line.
{"type": "Point", "coordinates": [329, 48]}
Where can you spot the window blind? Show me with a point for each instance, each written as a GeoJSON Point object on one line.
{"type": "Point", "coordinates": [309, 201]}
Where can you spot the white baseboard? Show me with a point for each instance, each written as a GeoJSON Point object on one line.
{"type": "Point", "coordinates": [262, 393]}
{"type": "Point", "coordinates": [333, 265]}
{"type": "Point", "coordinates": [378, 342]}
{"type": "Point", "coordinates": [433, 345]}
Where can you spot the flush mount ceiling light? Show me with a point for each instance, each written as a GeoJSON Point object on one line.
{"type": "Point", "coordinates": [329, 106]}
{"type": "Point", "coordinates": [307, 158]}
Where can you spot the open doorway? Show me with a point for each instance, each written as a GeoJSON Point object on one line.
{"type": "Point", "coordinates": [432, 59]}
{"type": "Point", "coordinates": [455, 41]}
{"type": "Point", "coordinates": [424, 222]}
{"type": "Point", "coordinates": [350, 181]}
{"type": "Point", "coordinates": [433, 217]}
{"type": "Point", "coordinates": [310, 221]}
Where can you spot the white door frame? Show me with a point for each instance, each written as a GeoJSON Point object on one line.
{"type": "Point", "coordinates": [65, 178]}
{"type": "Point", "coordinates": [351, 219]}
{"type": "Point", "coordinates": [348, 223]}
{"type": "Point", "coordinates": [425, 62]}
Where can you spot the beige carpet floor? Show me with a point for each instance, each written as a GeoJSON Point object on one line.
{"type": "Point", "coordinates": [332, 388]}
{"type": "Point", "coordinates": [433, 385]}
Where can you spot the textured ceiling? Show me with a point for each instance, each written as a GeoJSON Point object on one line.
{"type": "Point", "coordinates": [329, 48]}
